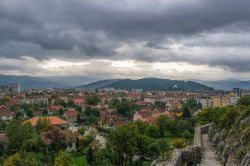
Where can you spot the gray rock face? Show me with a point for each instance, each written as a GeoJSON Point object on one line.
{"type": "Point", "coordinates": [245, 122]}
{"type": "Point", "coordinates": [246, 160]}
{"type": "Point", "coordinates": [216, 139]}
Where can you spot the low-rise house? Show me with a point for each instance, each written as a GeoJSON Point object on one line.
{"type": "Point", "coordinates": [71, 115]}
{"type": "Point", "coordinates": [173, 106]}
{"type": "Point", "coordinates": [151, 116]}
{"type": "Point", "coordinates": [53, 109]}
{"type": "Point", "coordinates": [38, 113]}
{"type": "Point", "coordinates": [70, 136]}
{"type": "Point", "coordinates": [145, 114]}
{"type": "Point", "coordinates": [141, 103]}
{"type": "Point", "coordinates": [108, 120]}
{"type": "Point", "coordinates": [79, 101]}
{"type": "Point", "coordinates": [36, 100]}
{"type": "Point", "coordinates": [5, 113]}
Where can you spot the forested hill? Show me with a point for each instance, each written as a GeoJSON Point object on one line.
{"type": "Point", "coordinates": [148, 84]}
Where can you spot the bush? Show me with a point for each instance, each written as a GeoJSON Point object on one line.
{"type": "Point", "coordinates": [64, 159]}
{"type": "Point", "coordinates": [245, 100]}
{"type": "Point", "coordinates": [154, 150]}
{"type": "Point", "coordinates": [187, 135]}
{"type": "Point", "coordinates": [179, 143]}
{"type": "Point", "coordinates": [22, 158]}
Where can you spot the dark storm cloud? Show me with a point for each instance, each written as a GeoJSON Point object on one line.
{"type": "Point", "coordinates": [154, 45]}
{"type": "Point", "coordinates": [89, 29]}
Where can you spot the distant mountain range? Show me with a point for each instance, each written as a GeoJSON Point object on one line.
{"type": "Point", "coordinates": [28, 82]}
{"type": "Point", "coordinates": [148, 84]}
{"type": "Point", "coordinates": [145, 83]}
{"type": "Point", "coordinates": [226, 84]}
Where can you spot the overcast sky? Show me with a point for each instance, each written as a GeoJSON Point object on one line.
{"type": "Point", "coordinates": [175, 39]}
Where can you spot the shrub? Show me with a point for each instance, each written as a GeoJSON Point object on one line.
{"type": "Point", "coordinates": [186, 134]}
{"type": "Point", "coordinates": [179, 143]}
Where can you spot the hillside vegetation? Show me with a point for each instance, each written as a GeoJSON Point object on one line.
{"type": "Point", "coordinates": [230, 131]}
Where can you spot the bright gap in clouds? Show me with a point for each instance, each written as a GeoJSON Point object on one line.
{"type": "Point", "coordinates": [105, 68]}
{"type": "Point", "coordinates": [55, 64]}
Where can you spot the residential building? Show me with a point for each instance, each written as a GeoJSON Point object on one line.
{"type": "Point", "coordinates": [71, 115]}
{"type": "Point", "coordinates": [40, 100]}
{"type": "Point", "coordinates": [5, 113]}
{"type": "Point", "coordinates": [206, 102]}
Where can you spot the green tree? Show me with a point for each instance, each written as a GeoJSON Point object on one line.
{"type": "Point", "coordinates": [153, 131]}
{"type": "Point", "coordinates": [163, 146]}
{"type": "Point", "coordinates": [126, 142]}
{"type": "Point", "coordinates": [154, 150]}
{"type": "Point", "coordinates": [64, 159]}
{"type": "Point", "coordinates": [21, 159]}
{"type": "Point", "coordinates": [186, 134]}
{"type": "Point", "coordinates": [141, 126]}
{"type": "Point", "coordinates": [186, 112]}
{"type": "Point", "coordinates": [42, 124]}
{"type": "Point", "coordinates": [183, 125]}
{"type": "Point", "coordinates": [193, 105]}
{"type": "Point", "coordinates": [245, 100]}
{"type": "Point", "coordinates": [90, 155]}
{"type": "Point", "coordinates": [164, 123]}
{"type": "Point", "coordinates": [19, 133]}
{"type": "Point", "coordinates": [58, 140]}
{"type": "Point", "coordinates": [92, 99]}
{"type": "Point", "coordinates": [160, 105]}
{"type": "Point", "coordinates": [34, 144]}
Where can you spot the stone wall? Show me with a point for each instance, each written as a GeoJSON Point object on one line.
{"type": "Point", "coordinates": [176, 160]}
{"type": "Point", "coordinates": [192, 155]}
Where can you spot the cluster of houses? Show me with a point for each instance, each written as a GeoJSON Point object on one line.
{"type": "Point", "coordinates": [52, 102]}
{"type": "Point", "coordinates": [206, 99]}
{"type": "Point", "coordinates": [173, 100]}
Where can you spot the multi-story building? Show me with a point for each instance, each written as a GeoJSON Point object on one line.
{"type": "Point", "coordinates": [13, 88]}
{"type": "Point", "coordinates": [229, 99]}
{"type": "Point", "coordinates": [206, 102]}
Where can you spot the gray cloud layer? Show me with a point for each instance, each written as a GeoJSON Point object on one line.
{"type": "Point", "coordinates": [211, 32]}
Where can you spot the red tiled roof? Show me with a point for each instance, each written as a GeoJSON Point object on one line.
{"type": "Point", "coordinates": [71, 113]}
{"type": "Point", "coordinates": [55, 107]}
{"type": "Point", "coordinates": [38, 113]}
{"type": "Point", "coordinates": [141, 103]}
{"type": "Point", "coordinates": [145, 113]}
{"type": "Point", "coordinates": [54, 120]}
{"type": "Point", "coordinates": [121, 123]}
{"type": "Point", "coordinates": [4, 111]}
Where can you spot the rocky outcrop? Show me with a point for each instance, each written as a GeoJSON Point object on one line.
{"type": "Point", "coordinates": [246, 160]}
{"type": "Point", "coordinates": [230, 143]}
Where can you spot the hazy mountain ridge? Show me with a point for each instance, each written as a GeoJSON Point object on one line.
{"type": "Point", "coordinates": [28, 82]}
{"type": "Point", "coordinates": [74, 81]}
{"type": "Point", "coordinates": [226, 84]}
{"type": "Point", "coordinates": [149, 84]}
